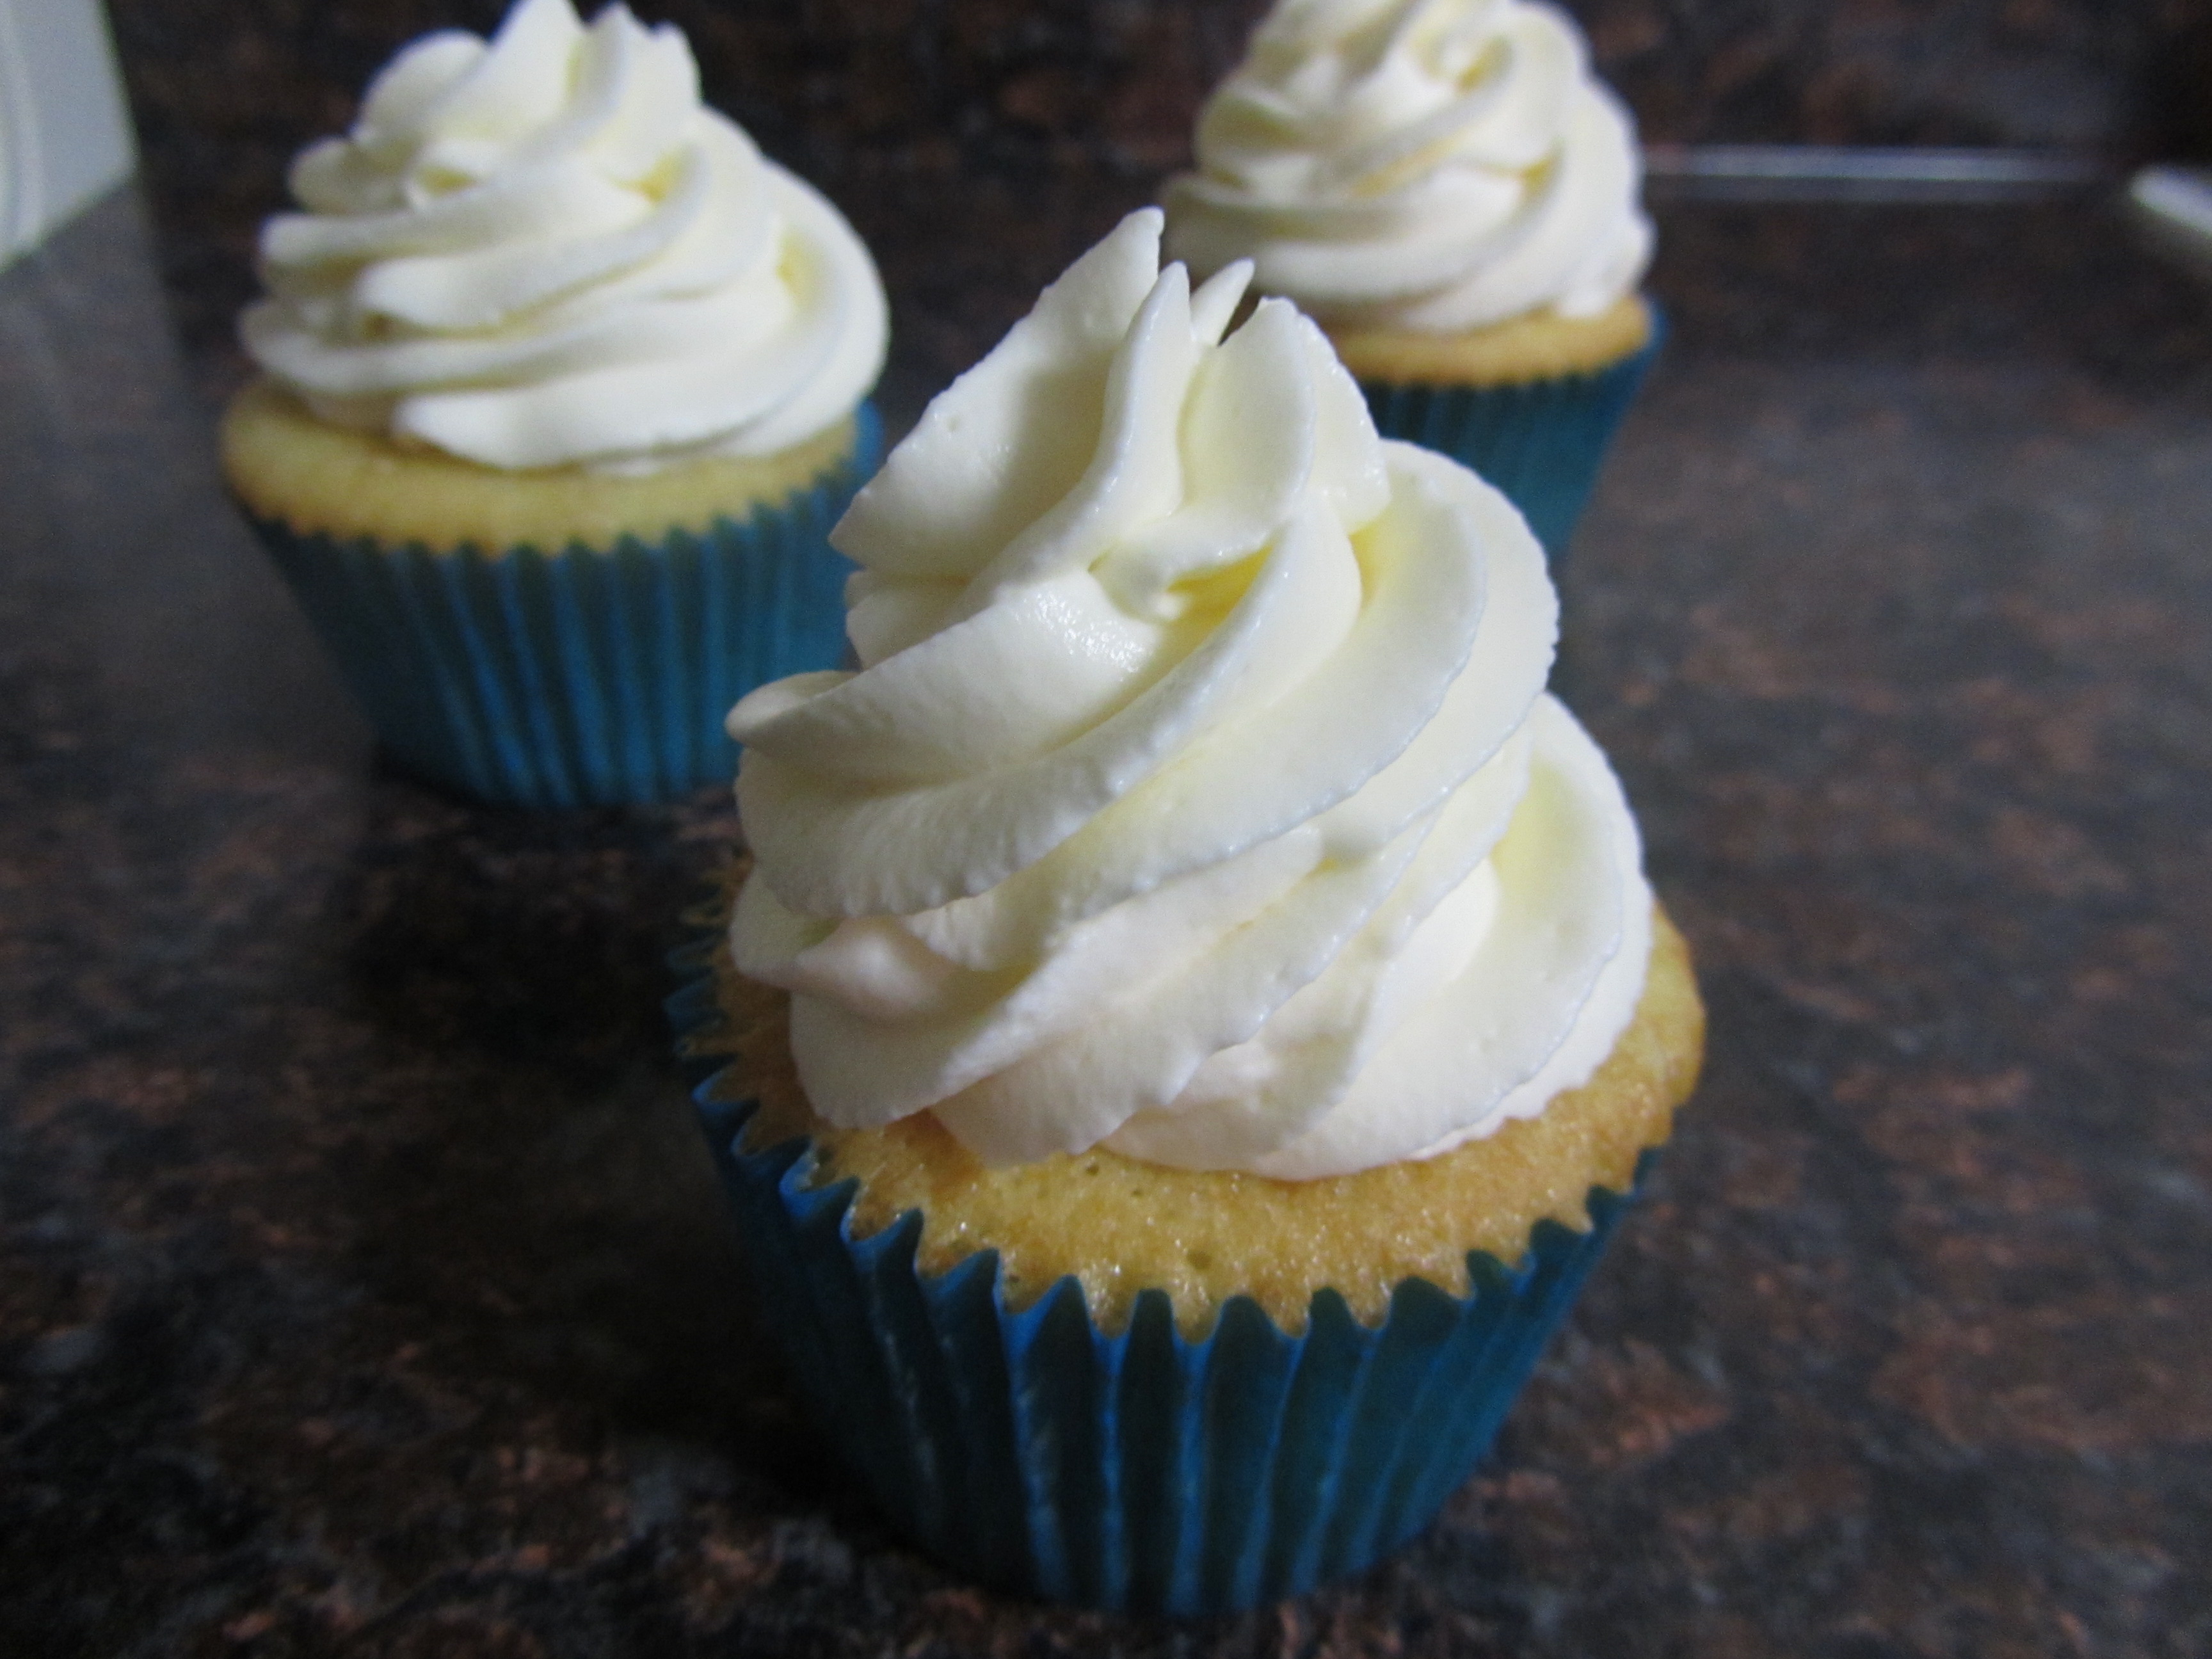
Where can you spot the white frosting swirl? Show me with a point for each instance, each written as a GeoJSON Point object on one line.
{"type": "Point", "coordinates": [544, 250]}
{"type": "Point", "coordinates": [1198, 792]}
{"type": "Point", "coordinates": [1434, 166]}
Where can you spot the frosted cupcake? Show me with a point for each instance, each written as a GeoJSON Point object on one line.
{"type": "Point", "coordinates": [563, 383]}
{"type": "Point", "coordinates": [1446, 188]}
{"type": "Point", "coordinates": [1197, 1006]}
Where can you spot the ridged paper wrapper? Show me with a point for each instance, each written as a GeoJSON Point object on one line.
{"type": "Point", "coordinates": [1138, 1469]}
{"type": "Point", "coordinates": [581, 676]}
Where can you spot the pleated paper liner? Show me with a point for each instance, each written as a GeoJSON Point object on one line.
{"type": "Point", "coordinates": [582, 676]}
{"type": "Point", "coordinates": [1137, 1470]}
{"type": "Point", "coordinates": [1541, 443]}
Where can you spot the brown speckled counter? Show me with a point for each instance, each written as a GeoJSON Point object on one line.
{"type": "Point", "coordinates": [362, 1289]}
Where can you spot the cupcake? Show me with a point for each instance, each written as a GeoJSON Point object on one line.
{"type": "Point", "coordinates": [1196, 1009]}
{"type": "Point", "coordinates": [562, 384]}
{"type": "Point", "coordinates": [1442, 186]}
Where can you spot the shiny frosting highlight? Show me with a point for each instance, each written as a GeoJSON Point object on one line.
{"type": "Point", "coordinates": [542, 249]}
{"type": "Point", "coordinates": [1434, 166]}
{"type": "Point", "coordinates": [1197, 793]}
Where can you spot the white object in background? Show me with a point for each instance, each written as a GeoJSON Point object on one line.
{"type": "Point", "coordinates": [1869, 173]}
{"type": "Point", "coordinates": [65, 132]}
{"type": "Point", "coordinates": [2179, 199]}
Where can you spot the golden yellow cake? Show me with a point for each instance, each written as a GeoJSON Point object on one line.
{"type": "Point", "coordinates": [284, 464]}
{"type": "Point", "coordinates": [1118, 1226]}
{"type": "Point", "coordinates": [1535, 346]}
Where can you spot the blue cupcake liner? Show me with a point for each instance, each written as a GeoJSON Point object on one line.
{"type": "Point", "coordinates": [1138, 1471]}
{"type": "Point", "coordinates": [1541, 443]}
{"type": "Point", "coordinates": [585, 675]}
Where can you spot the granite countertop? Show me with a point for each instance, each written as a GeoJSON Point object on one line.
{"type": "Point", "coordinates": [362, 1284]}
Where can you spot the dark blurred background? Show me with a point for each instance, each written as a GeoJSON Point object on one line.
{"type": "Point", "coordinates": [942, 125]}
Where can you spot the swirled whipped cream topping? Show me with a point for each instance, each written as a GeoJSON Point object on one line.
{"type": "Point", "coordinates": [1433, 166]}
{"type": "Point", "coordinates": [542, 249]}
{"type": "Point", "coordinates": [1198, 793]}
